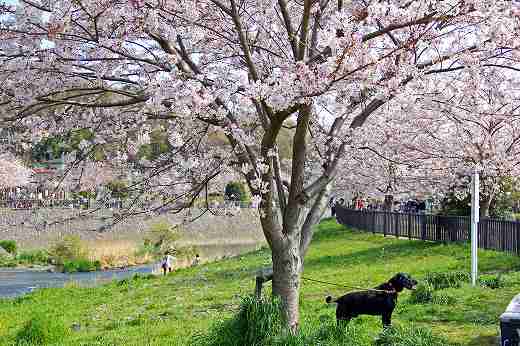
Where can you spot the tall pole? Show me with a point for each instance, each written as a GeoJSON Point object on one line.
{"type": "Point", "coordinates": [475, 187]}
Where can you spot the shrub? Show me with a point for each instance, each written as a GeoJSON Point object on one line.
{"type": "Point", "coordinates": [410, 336]}
{"type": "Point", "coordinates": [9, 246]}
{"type": "Point", "coordinates": [443, 298]}
{"type": "Point", "coordinates": [41, 330]}
{"type": "Point", "coordinates": [492, 281]}
{"type": "Point", "coordinates": [163, 235]}
{"type": "Point", "coordinates": [67, 249]}
{"type": "Point", "coordinates": [423, 293]}
{"type": "Point", "coordinates": [80, 265]}
{"type": "Point", "coordinates": [34, 257]}
{"type": "Point", "coordinates": [447, 279]}
{"type": "Point", "coordinates": [256, 323]}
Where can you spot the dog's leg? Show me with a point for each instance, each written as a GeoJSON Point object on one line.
{"type": "Point", "coordinates": [387, 319]}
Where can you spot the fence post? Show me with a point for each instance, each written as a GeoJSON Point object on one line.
{"type": "Point", "coordinates": [384, 223]}
{"type": "Point", "coordinates": [423, 226]}
{"type": "Point", "coordinates": [396, 225]}
{"type": "Point", "coordinates": [518, 238]}
{"type": "Point", "coordinates": [409, 226]}
{"type": "Point", "coordinates": [374, 215]}
{"type": "Point", "coordinates": [262, 276]}
{"type": "Point", "coordinates": [439, 231]}
{"type": "Point", "coordinates": [503, 238]}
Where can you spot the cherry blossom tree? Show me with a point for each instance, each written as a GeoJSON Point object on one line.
{"type": "Point", "coordinates": [474, 122]}
{"type": "Point", "coordinates": [13, 173]}
{"type": "Point", "coordinates": [245, 69]}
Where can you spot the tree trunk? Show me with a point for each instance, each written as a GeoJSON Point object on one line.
{"type": "Point", "coordinates": [389, 202]}
{"type": "Point", "coordinates": [287, 266]}
{"type": "Point", "coordinates": [484, 208]}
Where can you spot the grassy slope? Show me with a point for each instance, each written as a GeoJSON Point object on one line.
{"type": "Point", "coordinates": [166, 311]}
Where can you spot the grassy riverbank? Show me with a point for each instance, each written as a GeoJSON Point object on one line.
{"type": "Point", "coordinates": [170, 310]}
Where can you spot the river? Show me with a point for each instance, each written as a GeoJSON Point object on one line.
{"type": "Point", "coordinates": [17, 282]}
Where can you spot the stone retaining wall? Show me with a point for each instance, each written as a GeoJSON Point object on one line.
{"type": "Point", "coordinates": [39, 227]}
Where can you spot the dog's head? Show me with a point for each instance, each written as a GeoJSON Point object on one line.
{"type": "Point", "coordinates": [401, 281]}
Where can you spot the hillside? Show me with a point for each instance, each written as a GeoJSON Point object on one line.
{"type": "Point", "coordinates": [170, 310]}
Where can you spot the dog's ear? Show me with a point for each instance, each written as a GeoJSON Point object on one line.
{"type": "Point", "coordinates": [397, 281]}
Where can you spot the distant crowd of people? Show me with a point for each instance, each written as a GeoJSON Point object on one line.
{"type": "Point", "coordinates": [406, 206]}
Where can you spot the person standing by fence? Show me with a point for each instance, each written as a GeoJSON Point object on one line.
{"type": "Point", "coordinates": [332, 206]}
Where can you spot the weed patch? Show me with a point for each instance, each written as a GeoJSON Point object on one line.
{"type": "Point", "coordinates": [41, 330]}
{"type": "Point", "coordinates": [441, 280]}
{"type": "Point", "coordinates": [9, 246]}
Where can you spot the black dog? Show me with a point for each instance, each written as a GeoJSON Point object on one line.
{"type": "Point", "coordinates": [380, 301]}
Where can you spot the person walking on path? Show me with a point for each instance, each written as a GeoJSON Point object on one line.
{"type": "Point", "coordinates": [196, 261]}
{"type": "Point", "coordinates": [167, 262]}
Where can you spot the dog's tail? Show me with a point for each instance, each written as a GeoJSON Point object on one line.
{"type": "Point", "coordinates": [328, 300]}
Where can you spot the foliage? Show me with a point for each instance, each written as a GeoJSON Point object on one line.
{"type": "Point", "coordinates": [41, 330]}
{"type": "Point", "coordinates": [257, 323]}
{"type": "Point", "coordinates": [118, 188]}
{"type": "Point", "coordinates": [163, 235]}
{"type": "Point", "coordinates": [158, 145]}
{"type": "Point", "coordinates": [41, 257]}
{"type": "Point", "coordinates": [423, 293]}
{"type": "Point", "coordinates": [440, 280]}
{"type": "Point", "coordinates": [80, 265]}
{"type": "Point", "coordinates": [68, 248]}
{"type": "Point", "coordinates": [70, 254]}
{"type": "Point", "coordinates": [236, 191]}
{"type": "Point", "coordinates": [453, 206]}
{"type": "Point", "coordinates": [9, 246]}
{"type": "Point", "coordinates": [501, 205]}
{"type": "Point", "coordinates": [55, 147]}
{"type": "Point", "coordinates": [492, 281]}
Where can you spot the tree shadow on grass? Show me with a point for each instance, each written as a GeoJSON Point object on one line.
{"type": "Point", "coordinates": [384, 252]}
{"type": "Point", "coordinates": [390, 248]}
{"type": "Point", "coordinates": [482, 340]}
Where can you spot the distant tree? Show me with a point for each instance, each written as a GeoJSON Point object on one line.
{"type": "Point", "coordinates": [236, 191]}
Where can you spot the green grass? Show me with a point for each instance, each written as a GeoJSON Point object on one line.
{"type": "Point", "coordinates": [28, 258]}
{"type": "Point", "coordinates": [170, 310]}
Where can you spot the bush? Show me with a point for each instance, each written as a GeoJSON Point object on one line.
{"type": "Point", "coordinates": [443, 298]}
{"type": "Point", "coordinates": [256, 323]}
{"type": "Point", "coordinates": [9, 246]}
{"type": "Point", "coordinates": [447, 279]}
{"type": "Point", "coordinates": [80, 265]}
{"type": "Point", "coordinates": [423, 293]}
{"type": "Point", "coordinates": [163, 236]}
{"type": "Point", "coordinates": [492, 281]}
{"type": "Point", "coordinates": [33, 257]}
{"type": "Point", "coordinates": [41, 330]}
{"type": "Point", "coordinates": [68, 249]}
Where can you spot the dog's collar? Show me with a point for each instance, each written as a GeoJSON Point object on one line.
{"type": "Point", "coordinates": [392, 288]}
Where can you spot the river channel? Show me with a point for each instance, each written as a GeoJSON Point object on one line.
{"type": "Point", "coordinates": [17, 282]}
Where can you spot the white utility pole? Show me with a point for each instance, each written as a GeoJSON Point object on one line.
{"type": "Point", "coordinates": [475, 188]}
